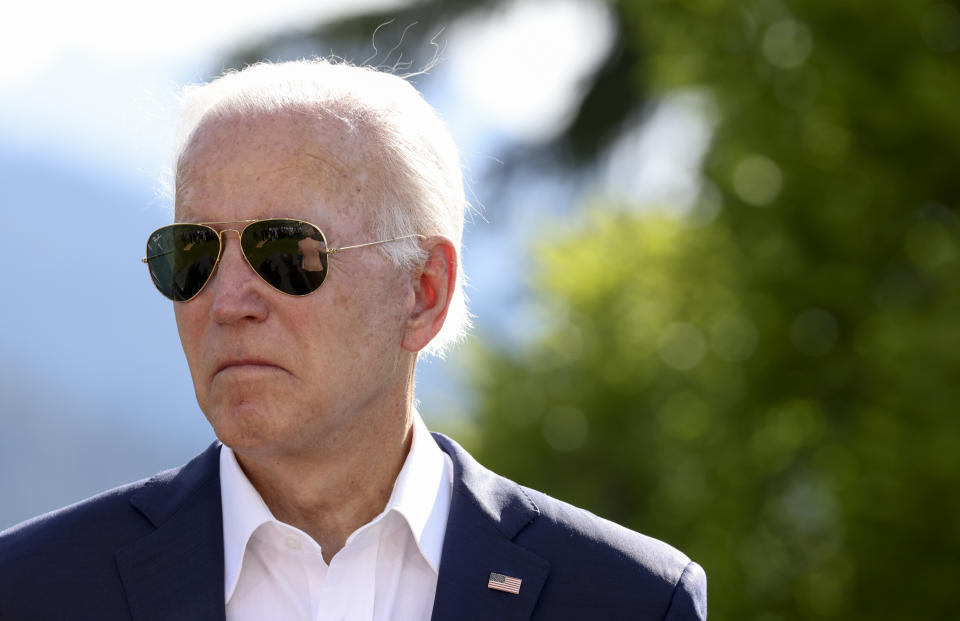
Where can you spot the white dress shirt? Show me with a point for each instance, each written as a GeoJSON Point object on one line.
{"type": "Point", "coordinates": [386, 570]}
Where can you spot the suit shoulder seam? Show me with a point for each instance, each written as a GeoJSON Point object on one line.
{"type": "Point", "coordinates": [676, 587]}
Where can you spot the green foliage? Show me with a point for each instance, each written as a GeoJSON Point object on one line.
{"type": "Point", "coordinates": [774, 392]}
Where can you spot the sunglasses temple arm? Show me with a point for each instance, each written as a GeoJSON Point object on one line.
{"type": "Point", "coordinates": [331, 251]}
{"type": "Point", "coordinates": [375, 243]}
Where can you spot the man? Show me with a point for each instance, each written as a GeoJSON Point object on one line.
{"type": "Point", "coordinates": [314, 255]}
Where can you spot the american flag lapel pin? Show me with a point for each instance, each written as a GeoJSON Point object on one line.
{"type": "Point", "coordinates": [501, 582]}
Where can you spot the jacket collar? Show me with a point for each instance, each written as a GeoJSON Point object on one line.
{"type": "Point", "coordinates": [487, 512]}
{"type": "Point", "coordinates": [176, 572]}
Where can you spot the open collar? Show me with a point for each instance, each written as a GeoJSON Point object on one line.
{"type": "Point", "coordinates": [420, 497]}
{"type": "Point", "coordinates": [177, 572]}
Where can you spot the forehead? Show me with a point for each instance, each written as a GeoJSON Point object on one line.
{"type": "Point", "coordinates": [271, 164]}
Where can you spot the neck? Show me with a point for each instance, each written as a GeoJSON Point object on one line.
{"type": "Point", "coordinates": [330, 492]}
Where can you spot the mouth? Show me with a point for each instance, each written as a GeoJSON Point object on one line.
{"type": "Point", "coordinates": [247, 364]}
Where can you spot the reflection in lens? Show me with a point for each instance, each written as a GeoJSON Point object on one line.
{"type": "Point", "coordinates": [313, 253]}
{"type": "Point", "coordinates": [288, 254]}
{"type": "Point", "coordinates": [181, 258]}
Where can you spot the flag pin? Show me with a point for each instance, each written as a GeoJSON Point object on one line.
{"type": "Point", "coordinates": [501, 582]}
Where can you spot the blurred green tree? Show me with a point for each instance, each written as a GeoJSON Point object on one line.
{"type": "Point", "coordinates": [772, 390]}
{"type": "Point", "coordinates": [775, 391]}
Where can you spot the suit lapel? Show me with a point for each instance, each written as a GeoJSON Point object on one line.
{"type": "Point", "coordinates": [176, 572]}
{"type": "Point", "coordinates": [486, 513]}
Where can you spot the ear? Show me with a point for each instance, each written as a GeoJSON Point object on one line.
{"type": "Point", "coordinates": [433, 289]}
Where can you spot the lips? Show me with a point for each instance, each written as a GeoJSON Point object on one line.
{"type": "Point", "coordinates": [247, 363]}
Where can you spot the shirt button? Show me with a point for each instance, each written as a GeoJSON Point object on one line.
{"type": "Point", "coordinates": [293, 542]}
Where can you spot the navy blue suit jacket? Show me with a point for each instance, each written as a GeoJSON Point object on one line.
{"type": "Point", "coordinates": [153, 550]}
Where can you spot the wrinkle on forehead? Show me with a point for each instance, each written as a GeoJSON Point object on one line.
{"type": "Point", "coordinates": [328, 162]}
{"type": "Point", "coordinates": [185, 193]}
{"type": "Point", "coordinates": [318, 153]}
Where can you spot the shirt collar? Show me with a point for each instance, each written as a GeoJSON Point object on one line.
{"type": "Point", "coordinates": [421, 495]}
{"type": "Point", "coordinates": [422, 491]}
{"type": "Point", "coordinates": [243, 512]}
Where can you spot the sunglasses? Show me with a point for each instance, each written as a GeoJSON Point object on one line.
{"type": "Point", "coordinates": [289, 255]}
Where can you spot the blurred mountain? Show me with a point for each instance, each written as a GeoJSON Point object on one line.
{"type": "Point", "coordinates": [94, 391]}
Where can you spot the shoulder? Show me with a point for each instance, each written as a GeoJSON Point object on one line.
{"type": "Point", "coordinates": [68, 528]}
{"type": "Point", "coordinates": [112, 516]}
{"type": "Point", "coordinates": [591, 534]}
{"type": "Point", "coordinates": [583, 547]}
{"type": "Point", "coordinates": [596, 568]}
{"type": "Point", "coordinates": [68, 555]}
{"type": "Point", "coordinates": [74, 548]}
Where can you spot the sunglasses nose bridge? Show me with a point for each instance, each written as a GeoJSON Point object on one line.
{"type": "Point", "coordinates": [223, 247]}
{"type": "Point", "coordinates": [223, 241]}
{"type": "Point", "coordinates": [239, 233]}
{"type": "Point", "coordinates": [233, 294]}
{"type": "Point", "coordinates": [222, 231]}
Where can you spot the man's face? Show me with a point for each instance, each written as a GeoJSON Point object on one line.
{"type": "Point", "coordinates": [273, 373]}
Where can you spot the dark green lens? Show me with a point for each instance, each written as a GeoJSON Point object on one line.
{"type": "Point", "coordinates": [291, 255]}
{"type": "Point", "coordinates": [181, 258]}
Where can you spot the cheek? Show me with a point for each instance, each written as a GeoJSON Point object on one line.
{"type": "Point", "coordinates": [356, 323]}
{"type": "Point", "coordinates": [189, 327]}
{"type": "Point", "coordinates": [183, 324]}
{"type": "Point", "coordinates": [380, 316]}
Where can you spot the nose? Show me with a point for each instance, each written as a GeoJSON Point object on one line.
{"type": "Point", "coordinates": [237, 290]}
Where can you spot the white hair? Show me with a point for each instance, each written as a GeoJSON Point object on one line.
{"type": "Point", "coordinates": [418, 164]}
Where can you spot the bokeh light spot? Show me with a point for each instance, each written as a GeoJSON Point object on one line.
{"type": "Point", "coordinates": [787, 44]}
{"type": "Point", "coordinates": [707, 206]}
{"type": "Point", "coordinates": [682, 346]}
{"type": "Point", "coordinates": [733, 338]}
{"type": "Point", "coordinates": [930, 245]}
{"type": "Point", "coordinates": [757, 180]}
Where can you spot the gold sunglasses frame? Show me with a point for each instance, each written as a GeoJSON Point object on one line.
{"type": "Point", "coordinates": [239, 232]}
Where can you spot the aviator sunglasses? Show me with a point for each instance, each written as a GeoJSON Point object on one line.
{"type": "Point", "coordinates": [289, 255]}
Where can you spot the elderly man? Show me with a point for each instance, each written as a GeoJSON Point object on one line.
{"type": "Point", "coordinates": [314, 255]}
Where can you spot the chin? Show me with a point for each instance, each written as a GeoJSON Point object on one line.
{"type": "Point", "coordinates": [248, 426]}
